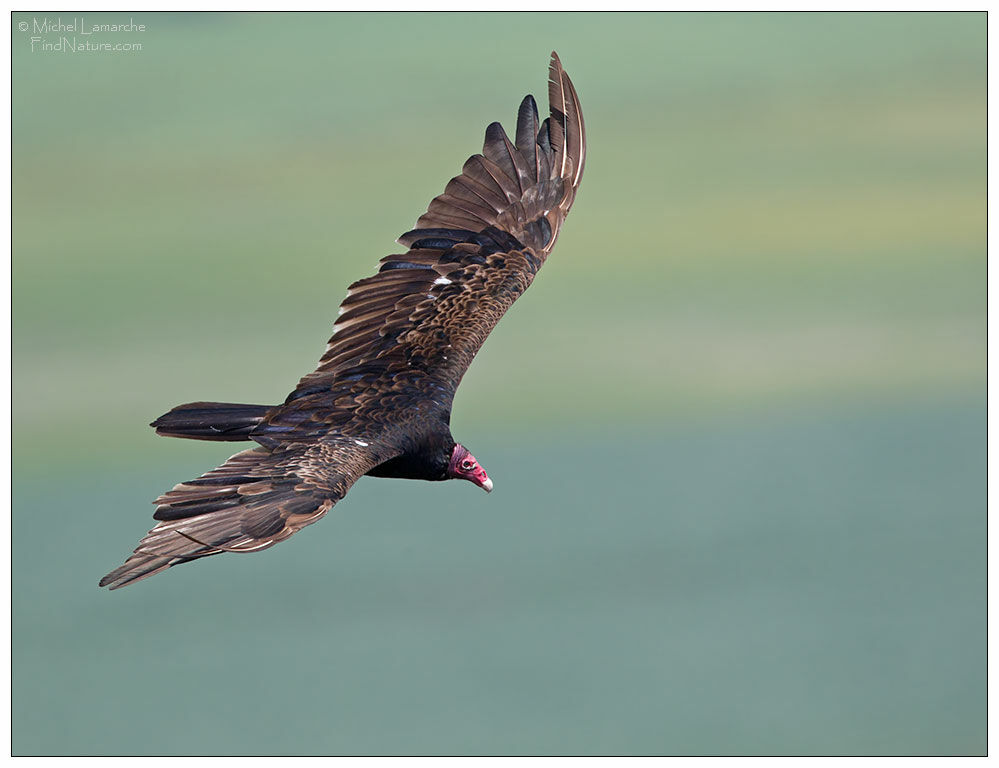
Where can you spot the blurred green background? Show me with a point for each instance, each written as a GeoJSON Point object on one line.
{"type": "Point", "coordinates": [737, 426]}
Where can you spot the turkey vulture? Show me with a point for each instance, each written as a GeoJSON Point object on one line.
{"type": "Point", "coordinates": [379, 402]}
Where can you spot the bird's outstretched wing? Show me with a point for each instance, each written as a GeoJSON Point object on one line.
{"type": "Point", "coordinates": [406, 335]}
{"type": "Point", "coordinates": [256, 499]}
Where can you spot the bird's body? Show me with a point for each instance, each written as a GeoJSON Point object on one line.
{"type": "Point", "coordinates": [379, 403]}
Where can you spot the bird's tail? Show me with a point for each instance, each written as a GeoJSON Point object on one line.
{"type": "Point", "coordinates": [211, 421]}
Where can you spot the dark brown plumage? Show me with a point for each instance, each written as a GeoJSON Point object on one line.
{"type": "Point", "coordinates": [379, 402]}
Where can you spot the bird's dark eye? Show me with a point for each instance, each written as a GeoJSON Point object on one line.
{"type": "Point", "coordinates": [466, 465]}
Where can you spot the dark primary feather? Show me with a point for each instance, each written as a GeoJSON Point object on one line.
{"type": "Point", "coordinates": [380, 399]}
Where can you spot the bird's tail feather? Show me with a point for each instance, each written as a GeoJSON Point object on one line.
{"type": "Point", "coordinates": [211, 421]}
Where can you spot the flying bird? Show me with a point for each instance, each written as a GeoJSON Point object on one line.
{"type": "Point", "coordinates": [379, 403]}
